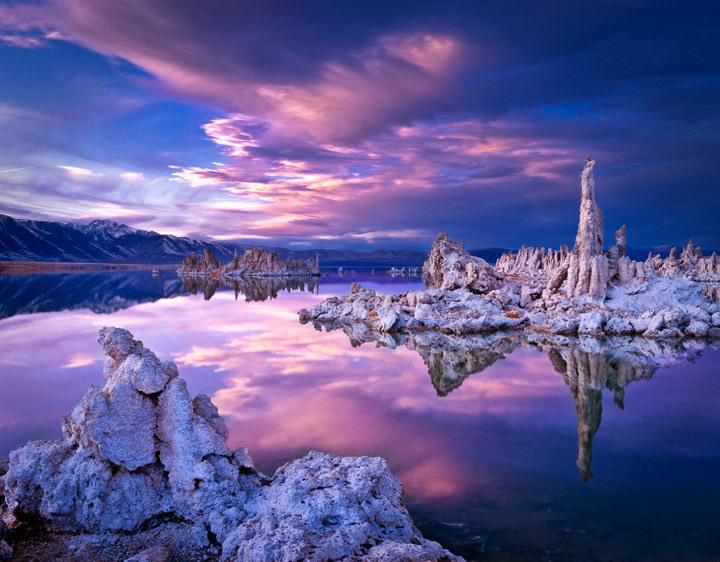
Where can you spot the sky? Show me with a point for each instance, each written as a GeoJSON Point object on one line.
{"type": "Point", "coordinates": [363, 125]}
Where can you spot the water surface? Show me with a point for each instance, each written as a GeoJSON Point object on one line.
{"type": "Point", "coordinates": [506, 449]}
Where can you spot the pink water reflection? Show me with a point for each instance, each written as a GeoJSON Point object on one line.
{"type": "Point", "coordinates": [498, 453]}
{"type": "Point", "coordinates": [284, 388]}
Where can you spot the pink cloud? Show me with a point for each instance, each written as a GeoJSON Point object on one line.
{"type": "Point", "coordinates": [344, 99]}
{"type": "Point", "coordinates": [331, 183]}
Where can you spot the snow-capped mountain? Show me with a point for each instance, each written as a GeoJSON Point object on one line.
{"type": "Point", "coordinates": [101, 241]}
{"type": "Point", "coordinates": [105, 241]}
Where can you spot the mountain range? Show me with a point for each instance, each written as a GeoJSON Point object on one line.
{"type": "Point", "coordinates": [105, 241]}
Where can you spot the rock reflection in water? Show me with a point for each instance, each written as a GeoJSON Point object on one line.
{"type": "Point", "coordinates": [588, 365]}
{"type": "Point", "coordinates": [587, 374]}
{"type": "Point", "coordinates": [253, 288]}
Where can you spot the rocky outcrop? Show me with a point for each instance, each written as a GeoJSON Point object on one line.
{"type": "Point", "coordinates": [206, 266]}
{"type": "Point", "coordinates": [617, 252]}
{"type": "Point", "coordinates": [588, 267]}
{"type": "Point", "coordinates": [658, 308]}
{"type": "Point", "coordinates": [709, 267]}
{"type": "Point", "coordinates": [142, 462]}
{"type": "Point", "coordinates": [135, 449]}
{"type": "Point", "coordinates": [450, 267]}
{"type": "Point", "coordinates": [330, 508]}
{"type": "Point", "coordinates": [261, 263]}
{"type": "Point", "coordinates": [532, 262]}
{"type": "Point", "coordinates": [604, 292]}
{"type": "Point", "coordinates": [691, 264]}
{"type": "Point", "coordinates": [255, 262]}
{"type": "Point", "coordinates": [587, 271]}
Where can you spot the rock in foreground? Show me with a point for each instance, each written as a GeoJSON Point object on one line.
{"type": "Point", "coordinates": [143, 465]}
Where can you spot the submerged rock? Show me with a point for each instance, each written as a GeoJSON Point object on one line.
{"type": "Point", "coordinates": [140, 458]}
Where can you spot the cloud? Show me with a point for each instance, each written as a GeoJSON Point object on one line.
{"type": "Point", "coordinates": [23, 41]}
{"type": "Point", "coordinates": [77, 172]}
{"type": "Point", "coordinates": [384, 123]}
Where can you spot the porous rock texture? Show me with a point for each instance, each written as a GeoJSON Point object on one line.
{"type": "Point", "coordinates": [588, 268]}
{"type": "Point", "coordinates": [330, 508]}
{"type": "Point", "coordinates": [141, 463]}
{"type": "Point", "coordinates": [449, 267]}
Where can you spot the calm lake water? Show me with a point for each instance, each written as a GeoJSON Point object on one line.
{"type": "Point", "coordinates": [493, 461]}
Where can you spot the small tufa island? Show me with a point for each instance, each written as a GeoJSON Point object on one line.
{"type": "Point", "coordinates": [255, 262]}
{"type": "Point", "coordinates": [586, 290]}
{"type": "Point", "coordinates": [144, 472]}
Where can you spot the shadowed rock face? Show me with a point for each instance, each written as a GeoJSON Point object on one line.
{"type": "Point", "coordinates": [5, 550]}
{"type": "Point", "coordinates": [140, 452]}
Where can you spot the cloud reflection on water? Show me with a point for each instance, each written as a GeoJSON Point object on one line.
{"type": "Point", "coordinates": [494, 455]}
{"type": "Point", "coordinates": [282, 387]}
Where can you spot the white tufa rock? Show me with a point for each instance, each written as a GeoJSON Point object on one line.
{"type": "Point", "coordinates": [139, 453]}
{"type": "Point", "coordinates": [449, 267]}
{"type": "Point", "coordinates": [605, 293]}
{"type": "Point", "coordinates": [588, 267]}
{"type": "Point", "coordinates": [532, 262]}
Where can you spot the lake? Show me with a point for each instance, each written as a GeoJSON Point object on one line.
{"type": "Point", "coordinates": [507, 448]}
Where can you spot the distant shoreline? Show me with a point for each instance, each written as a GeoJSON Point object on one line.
{"type": "Point", "coordinates": [9, 267]}
{"type": "Point", "coordinates": [47, 267]}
